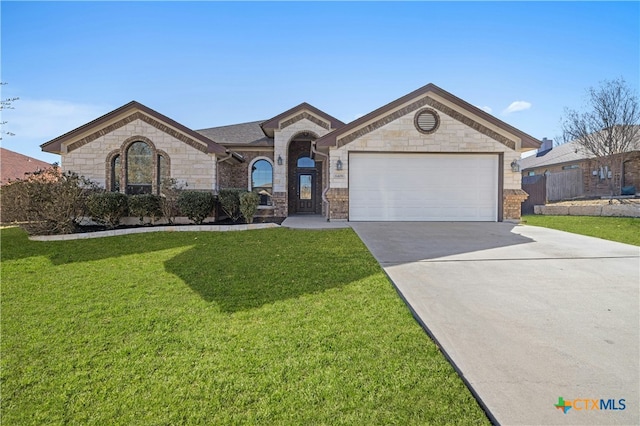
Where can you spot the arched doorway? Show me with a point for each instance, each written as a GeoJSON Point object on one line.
{"type": "Point", "coordinates": [304, 176]}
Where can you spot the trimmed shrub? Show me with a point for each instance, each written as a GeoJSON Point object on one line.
{"type": "Point", "coordinates": [196, 205]}
{"type": "Point", "coordinates": [230, 202]}
{"type": "Point", "coordinates": [249, 205]}
{"type": "Point", "coordinates": [108, 207]}
{"type": "Point", "coordinates": [145, 205]}
{"type": "Point", "coordinates": [47, 202]}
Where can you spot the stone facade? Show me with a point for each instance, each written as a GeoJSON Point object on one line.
{"type": "Point", "coordinates": [338, 203]}
{"type": "Point", "coordinates": [512, 200]}
{"type": "Point", "coordinates": [190, 166]}
{"type": "Point", "coordinates": [401, 135]}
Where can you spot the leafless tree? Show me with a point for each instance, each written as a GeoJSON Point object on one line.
{"type": "Point", "coordinates": [608, 128]}
{"type": "Point", "coordinates": [5, 103]}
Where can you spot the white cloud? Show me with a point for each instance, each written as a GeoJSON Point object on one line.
{"type": "Point", "coordinates": [486, 108]}
{"type": "Point", "coordinates": [517, 106]}
{"type": "Point", "coordinates": [45, 119]}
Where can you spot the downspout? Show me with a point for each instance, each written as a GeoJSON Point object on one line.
{"type": "Point", "coordinates": [326, 184]}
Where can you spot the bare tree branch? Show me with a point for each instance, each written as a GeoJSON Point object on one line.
{"type": "Point", "coordinates": [609, 127]}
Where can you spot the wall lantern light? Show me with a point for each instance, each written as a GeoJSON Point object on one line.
{"type": "Point", "coordinates": [515, 166]}
{"type": "Point", "coordinates": [279, 160]}
{"type": "Point", "coordinates": [339, 164]}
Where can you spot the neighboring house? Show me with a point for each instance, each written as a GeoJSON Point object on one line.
{"type": "Point", "coordinates": [595, 179]}
{"type": "Point", "coordinates": [14, 166]}
{"type": "Point", "coordinates": [425, 156]}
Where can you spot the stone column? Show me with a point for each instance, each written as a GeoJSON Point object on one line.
{"type": "Point", "coordinates": [512, 200]}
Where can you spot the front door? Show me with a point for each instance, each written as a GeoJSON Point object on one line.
{"type": "Point", "coordinates": [306, 189]}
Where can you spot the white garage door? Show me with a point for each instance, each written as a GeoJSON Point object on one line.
{"type": "Point", "coordinates": [423, 187]}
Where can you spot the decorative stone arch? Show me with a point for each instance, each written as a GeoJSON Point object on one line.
{"type": "Point", "coordinates": [266, 202]}
{"type": "Point", "coordinates": [250, 171]}
{"type": "Point", "coordinates": [124, 161]}
{"type": "Point", "coordinates": [300, 144]}
{"type": "Point", "coordinates": [109, 172]}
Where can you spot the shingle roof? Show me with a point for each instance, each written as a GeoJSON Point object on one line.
{"type": "Point", "coordinates": [14, 165]}
{"type": "Point", "coordinates": [245, 134]}
{"type": "Point", "coordinates": [565, 153]}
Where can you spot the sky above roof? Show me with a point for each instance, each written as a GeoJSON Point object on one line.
{"type": "Point", "coordinates": [207, 64]}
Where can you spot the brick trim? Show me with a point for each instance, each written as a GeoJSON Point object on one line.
{"type": "Point", "coordinates": [302, 116]}
{"type": "Point", "coordinates": [130, 118]}
{"type": "Point", "coordinates": [419, 104]}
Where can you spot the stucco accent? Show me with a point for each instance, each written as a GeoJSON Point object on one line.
{"type": "Point", "coordinates": [130, 118]}
{"type": "Point", "coordinates": [419, 104]}
{"type": "Point", "coordinates": [302, 116]}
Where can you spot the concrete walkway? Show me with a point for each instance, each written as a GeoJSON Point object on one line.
{"type": "Point", "coordinates": [312, 222]}
{"type": "Point", "coordinates": [526, 314]}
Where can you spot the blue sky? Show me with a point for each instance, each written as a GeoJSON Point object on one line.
{"type": "Point", "coordinates": [207, 64]}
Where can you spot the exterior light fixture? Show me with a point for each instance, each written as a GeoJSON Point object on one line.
{"type": "Point", "coordinates": [279, 160]}
{"type": "Point", "coordinates": [339, 165]}
{"type": "Point", "coordinates": [515, 166]}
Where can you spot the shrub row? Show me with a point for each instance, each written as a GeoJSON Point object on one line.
{"type": "Point", "coordinates": [52, 202]}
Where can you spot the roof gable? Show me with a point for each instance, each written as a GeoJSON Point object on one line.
{"type": "Point", "coordinates": [390, 112]}
{"type": "Point", "coordinates": [297, 113]}
{"type": "Point", "coordinates": [124, 115]}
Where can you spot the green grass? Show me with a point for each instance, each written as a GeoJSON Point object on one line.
{"type": "Point", "coordinates": [271, 326]}
{"type": "Point", "coordinates": [621, 229]}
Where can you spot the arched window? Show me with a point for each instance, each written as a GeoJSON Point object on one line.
{"type": "Point", "coordinates": [115, 173]}
{"type": "Point", "coordinates": [139, 168]}
{"type": "Point", "coordinates": [306, 162]}
{"type": "Point", "coordinates": [262, 181]}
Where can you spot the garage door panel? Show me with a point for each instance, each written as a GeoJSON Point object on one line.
{"type": "Point", "coordinates": [412, 187]}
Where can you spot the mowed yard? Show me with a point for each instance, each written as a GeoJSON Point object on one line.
{"type": "Point", "coordinates": [271, 326]}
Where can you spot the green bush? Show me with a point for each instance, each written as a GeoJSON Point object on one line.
{"type": "Point", "coordinates": [108, 207]}
{"type": "Point", "coordinates": [249, 205]}
{"type": "Point", "coordinates": [196, 205]}
{"type": "Point", "coordinates": [145, 205]}
{"type": "Point", "coordinates": [230, 202]}
{"type": "Point", "coordinates": [47, 202]}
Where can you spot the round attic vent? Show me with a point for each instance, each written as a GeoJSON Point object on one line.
{"type": "Point", "coordinates": [427, 121]}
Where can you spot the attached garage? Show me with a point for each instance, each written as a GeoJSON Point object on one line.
{"type": "Point", "coordinates": [386, 186]}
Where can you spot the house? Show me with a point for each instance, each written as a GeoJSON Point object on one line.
{"type": "Point", "coordinates": [428, 155]}
{"type": "Point", "coordinates": [594, 180]}
{"type": "Point", "coordinates": [14, 166]}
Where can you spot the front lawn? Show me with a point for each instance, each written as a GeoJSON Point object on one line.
{"type": "Point", "coordinates": [273, 326]}
{"type": "Point", "coordinates": [621, 229]}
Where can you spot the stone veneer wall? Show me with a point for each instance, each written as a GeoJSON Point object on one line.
{"type": "Point", "coordinates": [289, 128]}
{"type": "Point", "coordinates": [400, 135]}
{"type": "Point", "coordinates": [188, 164]}
{"type": "Point", "coordinates": [512, 200]}
{"type": "Point", "coordinates": [237, 175]}
{"type": "Point", "coordinates": [338, 203]}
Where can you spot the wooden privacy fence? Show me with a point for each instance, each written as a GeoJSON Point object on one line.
{"type": "Point", "coordinates": [564, 185]}
{"type": "Point", "coordinates": [536, 187]}
{"type": "Point", "coordinates": [559, 186]}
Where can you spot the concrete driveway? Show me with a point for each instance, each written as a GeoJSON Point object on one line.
{"type": "Point", "coordinates": [526, 314]}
